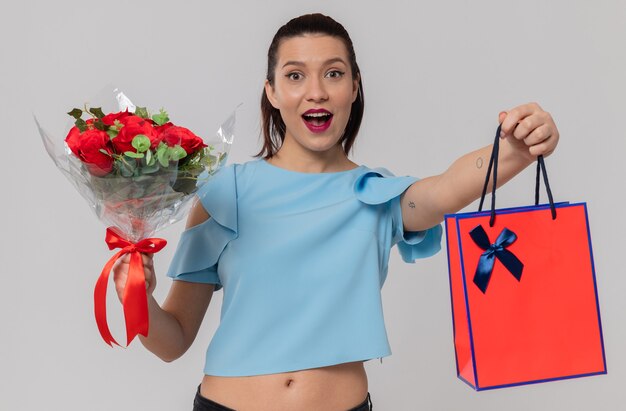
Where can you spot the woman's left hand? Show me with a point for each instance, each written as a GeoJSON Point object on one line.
{"type": "Point", "coordinates": [530, 130]}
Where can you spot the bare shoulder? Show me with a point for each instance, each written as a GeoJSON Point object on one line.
{"type": "Point", "coordinates": [197, 215]}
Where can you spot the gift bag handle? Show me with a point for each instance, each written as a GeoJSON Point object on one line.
{"type": "Point", "coordinates": [493, 165]}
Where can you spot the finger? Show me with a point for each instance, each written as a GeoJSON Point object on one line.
{"type": "Point", "coordinates": [538, 135]}
{"type": "Point", "coordinates": [529, 124]}
{"type": "Point", "coordinates": [515, 115]}
{"type": "Point", "coordinates": [147, 259]}
{"type": "Point", "coordinates": [148, 271]}
{"type": "Point", "coordinates": [120, 284]}
{"type": "Point", "coordinates": [544, 148]}
{"type": "Point", "coordinates": [120, 270]}
{"type": "Point", "coordinates": [151, 283]}
{"type": "Point", "coordinates": [501, 117]}
{"type": "Point", "coordinates": [125, 259]}
{"type": "Point", "coordinates": [148, 274]}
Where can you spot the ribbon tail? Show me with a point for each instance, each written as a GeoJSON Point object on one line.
{"type": "Point", "coordinates": [135, 300]}
{"type": "Point", "coordinates": [100, 294]}
{"type": "Point", "coordinates": [484, 270]}
{"type": "Point", "coordinates": [480, 237]}
{"type": "Point", "coordinates": [511, 262]}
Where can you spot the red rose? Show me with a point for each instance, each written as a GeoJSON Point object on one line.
{"type": "Point", "coordinates": [134, 125]}
{"type": "Point", "coordinates": [162, 128]}
{"type": "Point", "coordinates": [73, 140]}
{"type": "Point", "coordinates": [87, 145]}
{"type": "Point", "coordinates": [91, 142]}
{"type": "Point", "coordinates": [190, 142]}
{"type": "Point", "coordinates": [109, 119]}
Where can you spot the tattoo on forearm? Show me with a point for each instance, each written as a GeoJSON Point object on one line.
{"type": "Point", "coordinates": [479, 162]}
{"type": "Point", "coordinates": [411, 204]}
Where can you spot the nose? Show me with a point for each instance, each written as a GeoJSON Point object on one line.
{"type": "Point", "coordinates": [316, 90]}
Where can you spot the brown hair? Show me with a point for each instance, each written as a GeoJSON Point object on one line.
{"type": "Point", "coordinates": [273, 126]}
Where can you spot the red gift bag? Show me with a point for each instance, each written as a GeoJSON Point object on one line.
{"type": "Point", "coordinates": [524, 298]}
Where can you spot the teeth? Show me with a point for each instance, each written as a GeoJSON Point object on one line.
{"type": "Point", "coordinates": [317, 114]}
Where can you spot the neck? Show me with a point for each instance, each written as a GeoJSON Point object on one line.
{"type": "Point", "coordinates": [305, 161]}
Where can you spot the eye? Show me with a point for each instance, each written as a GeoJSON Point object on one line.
{"type": "Point", "coordinates": [335, 74]}
{"type": "Point", "coordinates": [294, 76]}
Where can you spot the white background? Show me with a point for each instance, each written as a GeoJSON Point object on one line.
{"type": "Point", "coordinates": [436, 74]}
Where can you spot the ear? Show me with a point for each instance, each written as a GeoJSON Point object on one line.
{"type": "Point", "coordinates": [269, 92]}
{"type": "Point", "coordinates": [355, 87]}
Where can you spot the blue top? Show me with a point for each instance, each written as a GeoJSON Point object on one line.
{"type": "Point", "coordinates": [301, 258]}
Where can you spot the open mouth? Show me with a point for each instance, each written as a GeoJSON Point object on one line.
{"type": "Point", "coordinates": [317, 120]}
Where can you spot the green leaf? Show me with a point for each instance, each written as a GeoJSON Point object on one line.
{"type": "Point", "coordinates": [97, 111]}
{"type": "Point", "coordinates": [81, 124]}
{"type": "Point", "coordinates": [177, 152]}
{"type": "Point", "coordinates": [150, 159]}
{"type": "Point", "coordinates": [112, 132]}
{"type": "Point", "coordinates": [126, 171]}
{"type": "Point", "coordinates": [210, 159]}
{"type": "Point", "coordinates": [142, 112]}
{"type": "Point", "coordinates": [161, 118]}
{"type": "Point", "coordinates": [133, 155]}
{"type": "Point", "coordinates": [150, 169]}
{"type": "Point", "coordinates": [76, 113]}
{"type": "Point", "coordinates": [163, 155]}
{"type": "Point", "coordinates": [127, 166]}
{"type": "Point", "coordinates": [99, 125]}
{"type": "Point", "coordinates": [141, 143]}
{"type": "Point", "coordinates": [103, 151]}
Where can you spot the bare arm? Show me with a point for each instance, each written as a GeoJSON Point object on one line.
{"type": "Point", "coordinates": [175, 324]}
{"type": "Point", "coordinates": [528, 131]}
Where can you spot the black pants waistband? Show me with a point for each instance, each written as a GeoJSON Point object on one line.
{"type": "Point", "coordinates": [201, 403]}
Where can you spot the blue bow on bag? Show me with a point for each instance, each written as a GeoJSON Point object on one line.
{"type": "Point", "coordinates": [497, 249]}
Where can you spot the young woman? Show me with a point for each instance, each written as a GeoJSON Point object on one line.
{"type": "Point", "coordinates": [299, 239]}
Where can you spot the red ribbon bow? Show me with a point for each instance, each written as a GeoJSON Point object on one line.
{"type": "Point", "coordinates": [134, 300]}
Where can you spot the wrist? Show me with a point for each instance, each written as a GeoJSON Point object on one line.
{"type": "Point", "coordinates": [516, 152]}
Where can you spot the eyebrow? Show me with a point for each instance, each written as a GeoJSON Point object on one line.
{"type": "Point", "coordinates": [327, 62]}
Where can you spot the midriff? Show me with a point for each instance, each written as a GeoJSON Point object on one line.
{"type": "Point", "coordinates": [335, 388]}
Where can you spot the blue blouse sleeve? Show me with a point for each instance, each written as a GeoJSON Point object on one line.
{"type": "Point", "coordinates": [199, 249]}
{"type": "Point", "coordinates": [379, 186]}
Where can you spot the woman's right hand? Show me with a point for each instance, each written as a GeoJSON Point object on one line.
{"type": "Point", "coordinates": [120, 274]}
{"type": "Point", "coordinates": [175, 322]}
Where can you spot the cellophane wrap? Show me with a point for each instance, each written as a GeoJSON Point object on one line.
{"type": "Point", "coordinates": [136, 182]}
{"type": "Point", "coordinates": [138, 204]}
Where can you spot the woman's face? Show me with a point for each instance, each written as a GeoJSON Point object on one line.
{"type": "Point", "coordinates": [314, 90]}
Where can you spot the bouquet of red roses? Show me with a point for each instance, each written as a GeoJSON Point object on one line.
{"type": "Point", "coordinates": [138, 172]}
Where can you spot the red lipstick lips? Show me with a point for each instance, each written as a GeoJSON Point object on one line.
{"type": "Point", "coordinates": [317, 120]}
